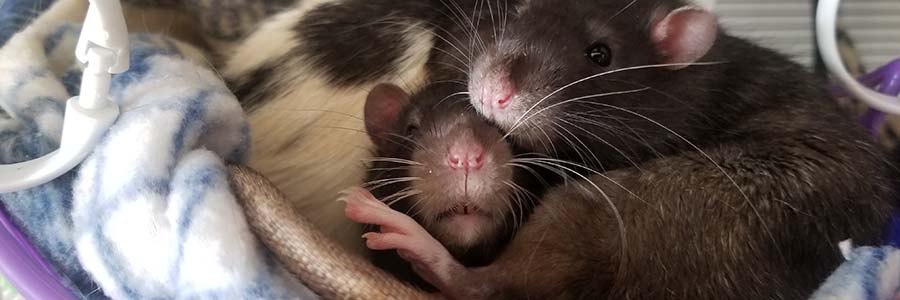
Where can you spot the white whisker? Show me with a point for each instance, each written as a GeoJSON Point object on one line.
{"type": "Point", "coordinates": [516, 123]}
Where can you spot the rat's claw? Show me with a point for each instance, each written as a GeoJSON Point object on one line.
{"type": "Point", "coordinates": [362, 207]}
{"type": "Point", "coordinates": [342, 195]}
{"type": "Point", "coordinates": [388, 241]}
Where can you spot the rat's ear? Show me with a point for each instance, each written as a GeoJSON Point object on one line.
{"type": "Point", "coordinates": [383, 106]}
{"type": "Point", "coordinates": [683, 35]}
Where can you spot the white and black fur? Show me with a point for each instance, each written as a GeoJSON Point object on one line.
{"type": "Point", "coordinates": [303, 76]}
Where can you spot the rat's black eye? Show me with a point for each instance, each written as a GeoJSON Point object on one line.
{"type": "Point", "coordinates": [599, 53]}
{"type": "Point", "coordinates": [412, 129]}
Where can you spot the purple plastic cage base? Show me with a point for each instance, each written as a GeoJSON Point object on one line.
{"type": "Point", "coordinates": [21, 264]}
{"type": "Point", "coordinates": [887, 81]}
{"type": "Point", "coordinates": [34, 278]}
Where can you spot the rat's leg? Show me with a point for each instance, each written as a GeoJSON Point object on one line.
{"type": "Point", "coordinates": [429, 258]}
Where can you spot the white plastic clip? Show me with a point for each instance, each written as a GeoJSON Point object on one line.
{"type": "Point", "coordinates": [103, 46]}
{"type": "Point", "coordinates": [826, 27]}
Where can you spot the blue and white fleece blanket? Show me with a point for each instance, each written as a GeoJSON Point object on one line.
{"type": "Point", "coordinates": [149, 214]}
{"type": "Point", "coordinates": [868, 274]}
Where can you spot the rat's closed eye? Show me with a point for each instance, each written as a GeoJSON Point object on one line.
{"type": "Point", "coordinates": [412, 129]}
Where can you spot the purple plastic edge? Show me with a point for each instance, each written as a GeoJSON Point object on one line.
{"type": "Point", "coordinates": [890, 82]}
{"type": "Point", "coordinates": [25, 268]}
{"type": "Point", "coordinates": [887, 79]}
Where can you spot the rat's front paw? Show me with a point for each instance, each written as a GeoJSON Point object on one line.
{"type": "Point", "coordinates": [400, 232]}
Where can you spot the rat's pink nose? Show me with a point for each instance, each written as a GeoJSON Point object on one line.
{"type": "Point", "coordinates": [465, 156]}
{"type": "Point", "coordinates": [503, 101]}
{"type": "Point", "coordinates": [497, 92]}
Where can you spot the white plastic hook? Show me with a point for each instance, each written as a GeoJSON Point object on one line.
{"type": "Point", "coordinates": [826, 33]}
{"type": "Point", "coordinates": [103, 46]}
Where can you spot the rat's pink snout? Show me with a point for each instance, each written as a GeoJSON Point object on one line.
{"type": "Point", "coordinates": [465, 156]}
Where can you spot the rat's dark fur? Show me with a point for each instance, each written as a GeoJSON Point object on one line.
{"type": "Point", "coordinates": [733, 180]}
{"type": "Point", "coordinates": [690, 234]}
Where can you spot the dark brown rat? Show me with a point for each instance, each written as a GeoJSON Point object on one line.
{"type": "Point", "coordinates": [722, 170]}
{"type": "Point", "coordinates": [445, 166]}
